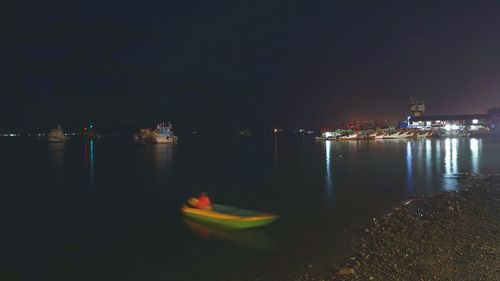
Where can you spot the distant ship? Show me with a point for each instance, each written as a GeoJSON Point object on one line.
{"type": "Point", "coordinates": [56, 135]}
{"type": "Point", "coordinates": [162, 134]}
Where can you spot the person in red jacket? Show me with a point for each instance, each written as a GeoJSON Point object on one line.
{"type": "Point", "coordinates": [203, 202]}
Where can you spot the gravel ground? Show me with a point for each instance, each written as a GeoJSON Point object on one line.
{"type": "Point", "coordinates": [449, 236]}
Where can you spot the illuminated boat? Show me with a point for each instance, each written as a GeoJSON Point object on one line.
{"type": "Point", "coordinates": [381, 136]}
{"type": "Point", "coordinates": [57, 135]}
{"type": "Point", "coordinates": [162, 134]}
{"type": "Point", "coordinates": [425, 134]}
{"type": "Point", "coordinates": [399, 135]}
{"type": "Point", "coordinates": [227, 216]}
{"type": "Point", "coordinates": [355, 136]}
{"type": "Point", "coordinates": [327, 136]}
{"type": "Point", "coordinates": [411, 134]}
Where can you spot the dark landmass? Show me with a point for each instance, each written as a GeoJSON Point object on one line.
{"type": "Point", "coordinates": [448, 236]}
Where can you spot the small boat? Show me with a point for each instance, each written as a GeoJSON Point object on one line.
{"type": "Point", "coordinates": [355, 136]}
{"type": "Point", "coordinates": [411, 134]}
{"type": "Point", "coordinates": [324, 138]}
{"type": "Point", "coordinates": [57, 135]}
{"type": "Point", "coordinates": [162, 134]}
{"type": "Point", "coordinates": [227, 216]}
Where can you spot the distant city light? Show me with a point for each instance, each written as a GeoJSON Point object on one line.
{"type": "Point", "coordinates": [475, 121]}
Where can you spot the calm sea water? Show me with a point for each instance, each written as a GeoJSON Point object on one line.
{"type": "Point", "coordinates": [109, 210]}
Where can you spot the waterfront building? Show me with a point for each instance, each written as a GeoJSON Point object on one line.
{"type": "Point", "coordinates": [453, 124]}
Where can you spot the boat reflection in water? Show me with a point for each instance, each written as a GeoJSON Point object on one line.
{"type": "Point", "coordinates": [163, 156]}
{"type": "Point", "coordinates": [252, 238]}
{"type": "Point", "coordinates": [158, 160]}
{"type": "Point", "coordinates": [57, 159]}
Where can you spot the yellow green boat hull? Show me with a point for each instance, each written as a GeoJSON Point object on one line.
{"type": "Point", "coordinates": [229, 217]}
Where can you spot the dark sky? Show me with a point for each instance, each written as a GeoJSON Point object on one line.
{"type": "Point", "coordinates": [228, 64]}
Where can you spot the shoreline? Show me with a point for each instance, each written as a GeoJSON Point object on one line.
{"type": "Point", "coordinates": [446, 236]}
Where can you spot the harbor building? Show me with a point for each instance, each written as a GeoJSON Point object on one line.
{"type": "Point", "coordinates": [452, 124]}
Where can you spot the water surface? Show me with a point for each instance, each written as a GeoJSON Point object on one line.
{"type": "Point", "coordinates": [109, 210]}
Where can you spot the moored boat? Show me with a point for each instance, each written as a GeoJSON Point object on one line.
{"type": "Point", "coordinates": [355, 136]}
{"type": "Point", "coordinates": [57, 135]}
{"type": "Point", "coordinates": [381, 136]}
{"type": "Point", "coordinates": [162, 134]}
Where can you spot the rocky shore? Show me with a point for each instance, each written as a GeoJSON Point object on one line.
{"type": "Point", "coordinates": [448, 236]}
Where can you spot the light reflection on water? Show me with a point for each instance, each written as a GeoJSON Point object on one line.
{"type": "Point", "coordinates": [88, 159]}
{"type": "Point", "coordinates": [474, 148]}
{"type": "Point", "coordinates": [328, 176]}
{"type": "Point", "coordinates": [92, 167]}
{"type": "Point", "coordinates": [426, 159]}
{"type": "Point", "coordinates": [428, 164]}
{"type": "Point", "coordinates": [450, 164]}
{"type": "Point", "coordinates": [57, 159]}
{"type": "Point", "coordinates": [409, 169]}
{"type": "Point", "coordinates": [163, 157]}
{"type": "Point", "coordinates": [437, 152]}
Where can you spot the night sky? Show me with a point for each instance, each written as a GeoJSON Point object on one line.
{"type": "Point", "coordinates": [234, 64]}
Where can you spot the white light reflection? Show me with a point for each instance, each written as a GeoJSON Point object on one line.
{"type": "Point", "coordinates": [428, 158]}
{"type": "Point", "coordinates": [474, 148]}
{"type": "Point", "coordinates": [409, 169]}
{"type": "Point", "coordinates": [328, 172]}
{"type": "Point", "coordinates": [450, 164]}
{"type": "Point", "coordinates": [437, 162]}
{"type": "Point", "coordinates": [328, 176]}
{"type": "Point", "coordinates": [454, 156]}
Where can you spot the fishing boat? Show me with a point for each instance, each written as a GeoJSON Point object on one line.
{"type": "Point", "coordinates": [411, 134]}
{"type": "Point", "coordinates": [376, 135]}
{"type": "Point", "coordinates": [57, 135]}
{"type": "Point", "coordinates": [381, 135]}
{"type": "Point", "coordinates": [162, 134]}
{"type": "Point", "coordinates": [321, 138]}
{"type": "Point", "coordinates": [355, 136]}
{"type": "Point", "coordinates": [398, 135]}
{"type": "Point", "coordinates": [227, 216]}
{"type": "Point", "coordinates": [425, 134]}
